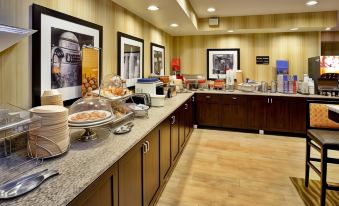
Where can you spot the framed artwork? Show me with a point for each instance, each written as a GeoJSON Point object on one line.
{"type": "Point", "coordinates": [157, 59]}
{"type": "Point", "coordinates": [130, 58]}
{"type": "Point", "coordinates": [57, 51]}
{"type": "Point", "coordinates": [221, 60]}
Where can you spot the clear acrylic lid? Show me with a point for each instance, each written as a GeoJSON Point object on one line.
{"type": "Point", "coordinates": [90, 103]}
{"type": "Point", "coordinates": [112, 85]}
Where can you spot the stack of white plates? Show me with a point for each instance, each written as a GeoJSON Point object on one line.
{"type": "Point", "coordinates": [52, 138]}
{"type": "Point", "coordinates": [51, 97]}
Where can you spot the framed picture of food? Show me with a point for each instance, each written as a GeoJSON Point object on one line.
{"type": "Point", "coordinates": [157, 59]}
{"type": "Point", "coordinates": [130, 58]}
{"type": "Point", "coordinates": [90, 70]}
{"type": "Point", "coordinates": [58, 55]}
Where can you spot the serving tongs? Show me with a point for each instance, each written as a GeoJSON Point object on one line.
{"type": "Point", "coordinates": [25, 184]}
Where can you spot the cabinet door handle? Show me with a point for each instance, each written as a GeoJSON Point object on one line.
{"type": "Point", "coordinates": [234, 98]}
{"type": "Point", "coordinates": [186, 106]}
{"type": "Point", "coordinates": [144, 147]}
{"type": "Point", "coordinates": [192, 99]}
{"type": "Point", "coordinates": [268, 100]}
{"type": "Point", "coordinates": [207, 97]}
{"type": "Point", "coordinates": [271, 100]}
{"type": "Point", "coordinates": [173, 119]}
{"type": "Point", "coordinates": [148, 147]}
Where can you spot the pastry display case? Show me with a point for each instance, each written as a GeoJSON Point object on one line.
{"type": "Point", "coordinates": [97, 112]}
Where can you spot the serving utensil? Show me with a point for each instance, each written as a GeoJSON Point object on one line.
{"type": "Point", "coordinates": [25, 184]}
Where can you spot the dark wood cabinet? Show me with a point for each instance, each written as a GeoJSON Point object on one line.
{"type": "Point", "coordinates": [182, 124]}
{"type": "Point", "coordinates": [188, 108]}
{"type": "Point", "coordinates": [297, 109]}
{"type": "Point", "coordinates": [174, 136]}
{"type": "Point", "coordinates": [151, 175]}
{"type": "Point", "coordinates": [280, 114]}
{"type": "Point", "coordinates": [139, 172]}
{"type": "Point", "coordinates": [233, 111]}
{"type": "Point", "coordinates": [104, 191]}
{"type": "Point", "coordinates": [208, 109]}
{"type": "Point", "coordinates": [130, 176]}
{"type": "Point", "coordinates": [256, 116]}
{"type": "Point", "coordinates": [272, 113]}
{"type": "Point", "coordinates": [165, 149]}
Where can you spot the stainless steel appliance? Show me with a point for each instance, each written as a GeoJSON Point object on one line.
{"type": "Point", "coordinates": [328, 84]}
{"type": "Point", "coordinates": [149, 86]}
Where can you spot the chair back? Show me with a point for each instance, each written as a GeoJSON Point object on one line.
{"type": "Point", "coordinates": [317, 115]}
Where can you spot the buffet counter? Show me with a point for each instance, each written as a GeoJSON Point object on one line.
{"type": "Point", "coordinates": [86, 161]}
{"type": "Point", "coordinates": [238, 92]}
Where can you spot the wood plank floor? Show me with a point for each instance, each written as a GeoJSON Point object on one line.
{"type": "Point", "coordinates": [235, 168]}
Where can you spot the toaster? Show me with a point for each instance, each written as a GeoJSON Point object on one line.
{"type": "Point", "coordinates": [140, 98]}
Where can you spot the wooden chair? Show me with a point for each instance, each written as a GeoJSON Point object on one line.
{"type": "Point", "coordinates": [322, 138]}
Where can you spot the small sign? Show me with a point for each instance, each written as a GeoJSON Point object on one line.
{"type": "Point", "coordinates": [263, 60]}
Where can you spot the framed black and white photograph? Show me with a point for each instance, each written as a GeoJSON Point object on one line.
{"type": "Point", "coordinates": [130, 58]}
{"type": "Point", "coordinates": [221, 60]}
{"type": "Point", "coordinates": [157, 59]}
{"type": "Point", "coordinates": [57, 52]}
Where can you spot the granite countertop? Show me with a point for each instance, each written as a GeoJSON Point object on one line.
{"type": "Point", "coordinates": [238, 92]}
{"type": "Point", "coordinates": [86, 161]}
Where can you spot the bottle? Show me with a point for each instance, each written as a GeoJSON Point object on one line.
{"type": "Point", "coordinates": [311, 86]}
{"type": "Point", "coordinates": [295, 80]}
{"type": "Point", "coordinates": [285, 83]}
{"type": "Point", "coordinates": [290, 85]}
{"type": "Point", "coordinates": [273, 86]}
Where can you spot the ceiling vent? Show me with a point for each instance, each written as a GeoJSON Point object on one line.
{"type": "Point", "coordinates": [213, 21]}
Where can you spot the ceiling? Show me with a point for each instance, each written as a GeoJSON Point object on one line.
{"type": "Point", "coordinates": [172, 11]}
{"type": "Point", "coordinates": [259, 7]}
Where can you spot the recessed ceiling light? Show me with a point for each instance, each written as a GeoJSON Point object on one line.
{"type": "Point", "coordinates": [211, 9]}
{"type": "Point", "coordinates": [230, 31]}
{"type": "Point", "coordinates": [294, 29]}
{"type": "Point", "coordinates": [153, 8]}
{"type": "Point", "coordinates": [328, 28]}
{"type": "Point", "coordinates": [311, 2]}
{"type": "Point", "coordinates": [174, 25]}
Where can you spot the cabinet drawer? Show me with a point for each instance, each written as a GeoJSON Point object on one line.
{"type": "Point", "coordinates": [208, 98]}
{"type": "Point", "coordinates": [232, 99]}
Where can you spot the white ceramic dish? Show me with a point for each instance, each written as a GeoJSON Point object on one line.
{"type": "Point", "coordinates": [107, 115]}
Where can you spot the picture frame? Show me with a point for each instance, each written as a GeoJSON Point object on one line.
{"type": "Point", "coordinates": [221, 60]}
{"type": "Point", "coordinates": [157, 59]}
{"type": "Point", "coordinates": [130, 58]}
{"type": "Point", "coordinates": [56, 52]}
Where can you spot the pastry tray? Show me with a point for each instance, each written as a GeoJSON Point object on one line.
{"type": "Point", "coordinates": [109, 123]}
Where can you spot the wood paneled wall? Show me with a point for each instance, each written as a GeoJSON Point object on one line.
{"type": "Point", "coordinates": [296, 47]}
{"type": "Point", "coordinates": [15, 62]}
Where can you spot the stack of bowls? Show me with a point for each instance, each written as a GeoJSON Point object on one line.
{"type": "Point", "coordinates": [52, 138]}
{"type": "Point", "coordinates": [51, 97]}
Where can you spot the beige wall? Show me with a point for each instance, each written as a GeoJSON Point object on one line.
{"type": "Point", "coordinates": [15, 62]}
{"type": "Point", "coordinates": [296, 47]}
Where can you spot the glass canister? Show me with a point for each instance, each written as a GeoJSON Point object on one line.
{"type": "Point", "coordinates": [273, 86]}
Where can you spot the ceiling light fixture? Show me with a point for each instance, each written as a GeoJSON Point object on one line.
{"type": "Point", "coordinates": [153, 8]}
{"type": "Point", "coordinates": [328, 28]}
{"type": "Point", "coordinates": [294, 29]}
{"type": "Point", "coordinates": [174, 25]}
{"type": "Point", "coordinates": [211, 9]}
{"type": "Point", "coordinates": [311, 2]}
{"type": "Point", "coordinates": [230, 31]}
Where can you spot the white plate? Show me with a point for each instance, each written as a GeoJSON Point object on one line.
{"type": "Point", "coordinates": [89, 124]}
{"type": "Point", "coordinates": [107, 115]}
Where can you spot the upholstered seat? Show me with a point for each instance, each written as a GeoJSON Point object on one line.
{"type": "Point", "coordinates": [326, 138]}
